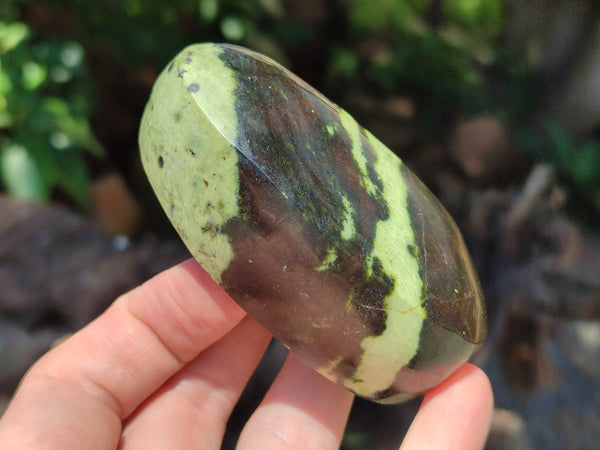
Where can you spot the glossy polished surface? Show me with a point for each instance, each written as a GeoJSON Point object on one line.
{"type": "Point", "coordinates": [310, 223]}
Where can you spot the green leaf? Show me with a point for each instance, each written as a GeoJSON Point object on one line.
{"type": "Point", "coordinates": [208, 9]}
{"type": "Point", "coordinates": [11, 35]}
{"type": "Point", "coordinates": [377, 15]}
{"type": "Point", "coordinates": [586, 164]}
{"type": "Point", "coordinates": [233, 28]}
{"type": "Point", "coordinates": [73, 178]}
{"type": "Point", "coordinates": [344, 62]}
{"type": "Point", "coordinates": [77, 129]}
{"type": "Point", "coordinates": [71, 55]}
{"type": "Point", "coordinates": [5, 84]}
{"type": "Point", "coordinates": [484, 17]}
{"type": "Point", "coordinates": [33, 75]}
{"type": "Point", "coordinates": [20, 173]}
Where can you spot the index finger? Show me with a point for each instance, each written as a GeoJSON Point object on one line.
{"type": "Point", "coordinates": [83, 389]}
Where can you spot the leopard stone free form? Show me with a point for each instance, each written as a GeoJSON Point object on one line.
{"type": "Point", "coordinates": [310, 223]}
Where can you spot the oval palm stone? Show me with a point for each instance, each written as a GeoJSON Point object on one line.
{"type": "Point", "coordinates": [310, 223]}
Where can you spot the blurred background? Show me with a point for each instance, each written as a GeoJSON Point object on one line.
{"type": "Point", "coordinates": [495, 104]}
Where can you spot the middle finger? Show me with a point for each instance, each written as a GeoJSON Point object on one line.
{"type": "Point", "coordinates": [192, 408]}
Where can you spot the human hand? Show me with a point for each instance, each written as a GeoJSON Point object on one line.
{"type": "Point", "coordinates": [164, 366]}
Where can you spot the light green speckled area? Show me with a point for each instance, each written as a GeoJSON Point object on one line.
{"type": "Point", "coordinates": [197, 188]}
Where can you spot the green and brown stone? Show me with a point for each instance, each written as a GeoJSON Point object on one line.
{"type": "Point", "coordinates": [310, 223]}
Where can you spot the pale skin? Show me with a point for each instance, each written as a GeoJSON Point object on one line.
{"type": "Point", "coordinates": [164, 366]}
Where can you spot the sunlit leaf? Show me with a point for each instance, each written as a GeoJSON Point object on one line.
{"type": "Point", "coordinates": [378, 15]}
{"type": "Point", "coordinates": [208, 9]}
{"type": "Point", "coordinates": [33, 75]}
{"type": "Point", "coordinates": [11, 35]}
{"type": "Point", "coordinates": [20, 173]}
{"type": "Point", "coordinates": [5, 83]}
{"type": "Point", "coordinates": [484, 17]}
{"type": "Point", "coordinates": [232, 28]}
{"type": "Point", "coordinates": [71, 55]}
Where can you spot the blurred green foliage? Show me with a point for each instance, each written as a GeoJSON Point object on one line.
{"type": "Point", "coordinates": [577, 164]}
{"type": "Point", "coordinates": [47, 91]}
{"type": "Point", "coordinates": [56, 56]}
{"type": "Point", "coordinates": [44, 103]}
{"type": "Point", "coordinates": [442, 51]}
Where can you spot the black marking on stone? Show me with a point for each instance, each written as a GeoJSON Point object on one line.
{"type": "Point", "coordinates": [346, 368]}
{"type": "Point", "coordinates": [181, 72]}
{"type": "Point", "coordinates": [192, 152]}
{"type": "Point", "coordinates": [369, 301]}
{"type": "Point", "coordinates": [380, 395]}
{"type": "Point", "coordinates": [371, 157]}
{"type": "Point", "coordinates": [412, 250]}
{"type": "Point", "coordinates": [171, 66]}
{"type": "Point", "coordinates": [193, 88]}
{"type": "Point", "coordinates": [211, 228]}
{"type": "Point", "coordinates": [161, 162]}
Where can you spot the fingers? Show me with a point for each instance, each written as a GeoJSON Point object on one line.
{"type": "Point", "coordinates": [302, 410]}
{"type": "Point", "coordinates": [101, 374]}
{"type": "Point", "coordinates": [454, 415]}
{"type": "Point", "coordinates": [193, 407]}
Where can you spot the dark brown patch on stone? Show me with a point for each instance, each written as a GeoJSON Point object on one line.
{"type": "Point", "coordinates": [274, 277]}
{"type": "Point", "coordinates": [285, 139]}
{"type": "Point", "coordinates": [451, 293]}
{"type": "Point", "coordinates": [369, 300]}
